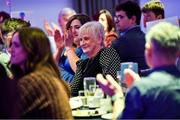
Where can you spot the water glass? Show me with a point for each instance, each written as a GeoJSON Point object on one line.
{"type": "Point", "coordinates": [89, 85]}
{"type": "Point", "coordinates": [92, 89]}
{"type": "Point", "coordinates": [81, 94]}
{"type": "Point", "coordinates": [99, 92]}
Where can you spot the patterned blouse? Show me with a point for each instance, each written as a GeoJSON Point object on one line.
{"type": "Point", "coordinates": [107, 61]}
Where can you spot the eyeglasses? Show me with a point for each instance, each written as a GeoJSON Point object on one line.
{"type": "Point", "coordinates": [118, 17]}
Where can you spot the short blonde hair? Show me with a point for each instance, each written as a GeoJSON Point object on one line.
{"type": "Point", "coordinates": [165, 37]}
{"type": "Point", "coordinates": [93, 28]}
{"type": "Point", "coordinates": [156, 6]}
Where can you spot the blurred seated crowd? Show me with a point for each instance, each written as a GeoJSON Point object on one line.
{"type": "Point", "coordinates": [41, 70]}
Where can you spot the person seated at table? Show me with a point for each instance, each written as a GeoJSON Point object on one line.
{"type": "Point", "coordinates": [69, 50]}
{"type": "Point", "coordinates": [63, 17]}
{"type": "Point", "coordinates": [157, 95]}
{"type": "Point", "coordinates": [100, 59]}
{"type": "Point", "coordinates": [43, 94]}
{"type": "Point", "coordinates": [152, 10]}
{"type": "Point", "coordinates": [130, 44]}
{"type": "Point", "coordinates": [106, 19]}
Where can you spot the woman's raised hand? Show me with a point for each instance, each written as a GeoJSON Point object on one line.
{"type": "Point", "coordinates": [48, 28]}
{"type": "Point", "coordinates": [58, 39]}
{"type": "Point", "coordinates": [68, 39]}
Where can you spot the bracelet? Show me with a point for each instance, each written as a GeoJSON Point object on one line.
{"type": "Point", "coordinates": [117, 97]}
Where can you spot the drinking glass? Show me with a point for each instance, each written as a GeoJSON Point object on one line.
{"type": "Point", "coordinates": [81, 94]}
{"type": "Point", "coordinates": [89, 85]}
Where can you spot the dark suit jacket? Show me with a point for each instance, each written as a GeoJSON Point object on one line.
{"type": "Point", "coordinates": [155, 96]}
{"type": "Point", "coordinates": [131, 46]}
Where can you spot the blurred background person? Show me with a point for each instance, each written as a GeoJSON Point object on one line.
{"type": "Point", "coordinates": [8, 91]}
{"type": "Point", "coordinates": [70, 44]}
{"type": "Point", "coordinates": [56, 30]}
{"type": "Point", "coordinates": [63, 17]}
{"type": "Point", "coordinates": [43, 94]}
{"type": "Point", "coordinates": [100, 59]}
{"type": "Point", "coordinates": [157, 95]}
{"type": "Point", "coordinates": [106, 19]}
{"type": "Point", "coordinates": [152, 10]}
{"type": "Point", "coordinates": [3, 17]}
{"type": "Point", "coordinates": [8, 27]}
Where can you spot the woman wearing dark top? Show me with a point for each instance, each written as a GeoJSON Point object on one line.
{"type": "Point", "coordinates": [106, 19]}
{"type": "Point", "coordinates": [100, 59]}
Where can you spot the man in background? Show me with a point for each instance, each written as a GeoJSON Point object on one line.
{"type": "Point", "coordinates": [130, 45]}
{"type": "Point", "coordinates": [152, 10]}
